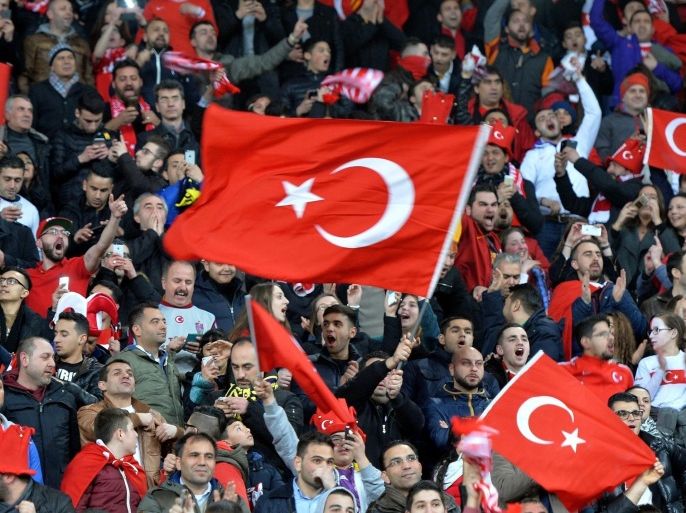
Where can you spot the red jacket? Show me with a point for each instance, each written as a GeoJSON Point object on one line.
{"type": "Point", "coordinates": [603, 377]}
{"type": "Point", "coordinates": [475, 256]}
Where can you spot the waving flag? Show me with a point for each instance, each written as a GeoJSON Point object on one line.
{"type": "Point", "coordinates": [356, 84]}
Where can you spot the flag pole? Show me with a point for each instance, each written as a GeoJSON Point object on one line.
{"type": "Point", "coordinates": [251, 328]}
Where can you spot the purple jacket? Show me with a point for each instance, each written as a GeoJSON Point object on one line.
{"type": "Point", "coordinates": [626, 53]}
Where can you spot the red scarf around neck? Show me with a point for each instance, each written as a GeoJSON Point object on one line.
{"type": "Point", "coordinates": [86, 465]}
{"type": "Point", "coordinates": [128, 134]}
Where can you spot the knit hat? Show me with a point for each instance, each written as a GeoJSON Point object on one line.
{"type": "Point", "coordinates": [14, 447]}
{"type": "Point", "coordinates": [630, 155]}
{"type": "Point", "coordinates": [502, 136]}
{"type": "Point", "coordinates": [58, 48]}
{"type": "Point", "coordinates": [632, 80]}
{"type": "Point", "coordinates": [564, 104]}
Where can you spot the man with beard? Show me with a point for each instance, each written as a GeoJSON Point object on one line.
{"type": "Point", "coordinates": [478, 242]}
{"type": "Point", "coordinates": [240, 400]}
{"type": "Point", "coordinates": [53, 241]}
{"type": "Point", "coordinates": [512, 352]}
{"type": "Point", "coordinates": [220, 291]}
{"type": "Point", "coordinates": [129, 112]}
{"type": "Point", "coordinates": [89, 213]}
{"type": "Point", "coordinates": [157, 382]}
{"type": "Point", "coordinates": [153, 69]}
{"type": "Point", "coordinates": [595, 368]}
{"type": "Point", "coordinates": [519, 57]}
{"type": "Point", "coordinates": [34, 398]}
{"type": "Point", "coordinates": [464, 397]}
{"type": "Point", "coordinates": [183, 319]}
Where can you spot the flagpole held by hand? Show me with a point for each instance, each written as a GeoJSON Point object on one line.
{"type": "Point", "coordinates": [415, 328]}
{"type": "Point", "coordinates": [251, 327]}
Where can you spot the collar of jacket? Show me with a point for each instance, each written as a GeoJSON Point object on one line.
{"type": "Point", "coordinates": [532, 46]}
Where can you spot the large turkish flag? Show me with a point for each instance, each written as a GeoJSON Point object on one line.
{"type": "Point", "coordinates": [667, 140]}
{"type": "Point", "coordinates": [562, 436]}
{"type": "Point", "coordinates": [328, 200]}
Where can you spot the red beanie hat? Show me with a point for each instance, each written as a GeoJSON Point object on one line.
{"type": "Point", "coordinates": [630, 155]}
{"type": "Point", "coordinates": [632, 80]}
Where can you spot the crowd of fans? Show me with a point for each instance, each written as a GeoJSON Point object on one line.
{"type": "Point", "coordinates": [148, 395]}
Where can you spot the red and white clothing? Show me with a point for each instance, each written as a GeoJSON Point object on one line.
{"type": "Point", "coordinates": [604, 378]}
{"type": "Point", "coordinates": [180, 323]}
{"type": "Point", "coordinates": [667, 387]}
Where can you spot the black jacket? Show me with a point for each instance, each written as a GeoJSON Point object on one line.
{"type": "Point", "coordinates": [44, 499]}
{"type": "Point", "coordinates": [41, 149]}
{"type": "Point", "coordinates": [224, 301]}
{"type": "Point", "coordinates": [451, 297]}
{"type": "Point", "coordinates": [51, 111]}
{"type": "Point", "coordinates": [367, 44]}
{"type": "Point", "coordinates": [599, 181]}
{"type": "Point", "coordinates": [398, 419]}
{"type": "Point", "coordinates": [87, 376]}
{"type": "Point", "coordinates": [26, 324]}
{"type": "Point", "coordinates": [54, 419]}
{"type": "Point", "coordinates": [668, 491]}
{"type": "Point", "coordinates": [68, 173]}
{"type": "Point", "coordinates": [18, 245]}
{"type": "Point", "coordinates": [148, 257]}
{"type": "Point", "coordinates": [81, 214]}
{"type": "Point", "coordinates": [184, 141]}
{"type": "Point", "coordinates": [322, 26]}
{"type": "Point", "coordinates": [281, 500]}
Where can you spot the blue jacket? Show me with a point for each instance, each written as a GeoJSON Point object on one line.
{"type": "Point", "coordinates": [452, 403]}
{"type": "Point", "coordinates": [210, 296]}
{"type": "Point", "coordinates": [626, 53]}
{"type": "Point", "coordinates": [280, 500]}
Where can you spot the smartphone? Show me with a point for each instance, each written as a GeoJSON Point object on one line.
{"type": "Point", "coordinates": [64, 282]}
{"type": "Point", "coordinates": [6, 14]}
{"type": "Point", "coordinates": [99, 140]}
{"type": "Point", "coordinates": [189, 156]}
{"type": "Point", "coordinates": [509, 180]}
{"type": "Point", "coordinates": [192, 337]}
{"type": "Point", "coordinates": [642, 201]}
{"type": "Point", "coordinates": [568, 143]}
{"type": "Point", "coordinates": [206, 360]}
{"type": "Point", "coordinates": [312, 93]}
{"type": "Point", "coordinates": [349, 433]}
{"type": "Point", "coordinates": [118, 249]}
{"type": "Point", "coordinates": [390, 298]}
{"type": "Point", "coordinates": [589, 229]}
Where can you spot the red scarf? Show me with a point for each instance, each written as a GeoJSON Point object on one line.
{"type": "Point", "coordinates": [600, 210]}
{"type": "Point", "coordinates": [86, 465]}
{"type": "Point", "coordinates": [128, 135]}
{"type": "Point", "coordinates": [560, 307]}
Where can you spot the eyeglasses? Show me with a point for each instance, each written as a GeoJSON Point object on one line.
{"type": "Point", "coordinates": [55, 232]}
{"type": "Point", "coordinates": [410, 458]}
{"type": "Point", "coordinates": [655, 331]}
{"type": "Point", "coordinates": [623, 414]}
{"type": "Point", "coordinates": [12, 281]}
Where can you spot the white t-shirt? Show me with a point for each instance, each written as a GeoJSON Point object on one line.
{"type": "Point", "coordinates": [29, 213]}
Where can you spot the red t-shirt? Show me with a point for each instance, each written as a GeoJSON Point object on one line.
{"type": "Point", "coordinates": [603, 378]}
{"type": "Point", "coordinates": [179, 24]}
{"type": "Point", "coordinates": [45, 282]}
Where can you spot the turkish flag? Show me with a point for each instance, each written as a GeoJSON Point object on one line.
{"type": "Point", "coordinates": [328, 200]}
{"type": "Point", "coordinates": [5, 76]}
{"type": "Point", "coordinates": [666, 140]}
{"type": "Point", "coordinates": [562, 436]}
{"type": "Point", "coordinates": [277, 348]}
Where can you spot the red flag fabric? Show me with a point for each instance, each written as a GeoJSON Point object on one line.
{"type": "Point", "coordinates": [397, 12]}
{"type": "Point", "coordinates": [277, 348]}
{"type": "Point", "coordinates": [562, 436]}
{"type": "Point", "coordinates": [5, 76]}
{"type": "Point", "coordinates": [356, 84]}
{"type": "Point", "coordinates": [328, 200]}
{"type": "Point", "coordinates": [666, 140]}
{"type": "Point", "coordinates": [343, 8]}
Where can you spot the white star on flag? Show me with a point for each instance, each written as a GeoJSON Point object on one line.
{"type": "Point", "coordinates": [572, 439]}
{"type": "Point", "coordinates": [298, 196]}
